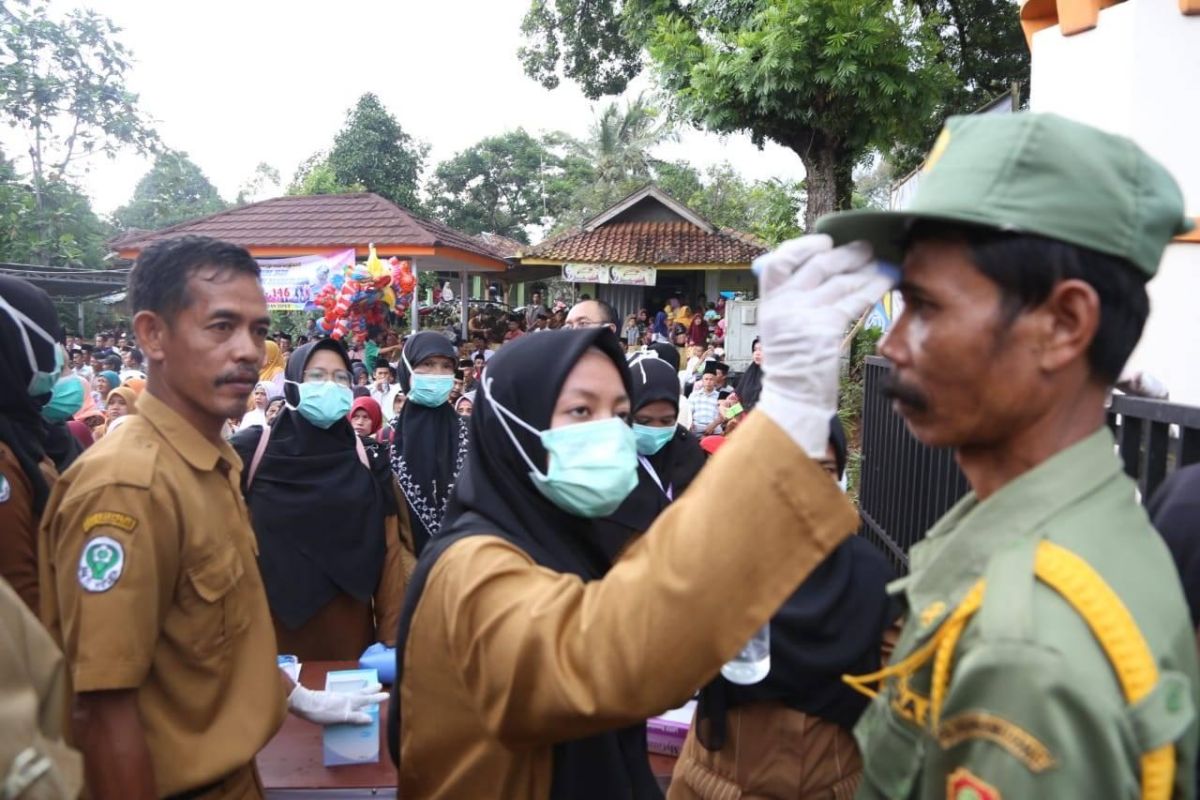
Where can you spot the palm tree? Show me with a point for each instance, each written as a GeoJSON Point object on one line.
{"type": "Point", "coordinates": [619, 144]}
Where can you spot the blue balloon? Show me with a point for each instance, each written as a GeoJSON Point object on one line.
{"type": "Point", "coordinates": [337, 281]}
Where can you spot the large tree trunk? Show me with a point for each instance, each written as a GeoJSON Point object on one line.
{"type": "Point", "coordinates": [828, 178]}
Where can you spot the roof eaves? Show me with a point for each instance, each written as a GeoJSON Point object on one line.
{"type": "Point", "coordinates": [652, 191]}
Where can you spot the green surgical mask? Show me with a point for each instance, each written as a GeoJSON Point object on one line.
{"type": "Point", "coordinates": [592, 465]}
{"type": "Point", "coordinates": [650, 439]}
{"type": "Point", "coordinates": [323, 402]}
{"type": "Point", "coordinates": [65, 401]}
{"type": "Point", "coordinates": [428, 390]}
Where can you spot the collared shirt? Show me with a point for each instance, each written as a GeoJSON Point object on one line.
{"type": "Point", "coordinates": [1032, 707]}
{"type": "Point", "coordinates": [704, 409]}
{"type": "Point", "coordinates": [150, 582]}
{"type": "Point", "coordinates": [387, 402]}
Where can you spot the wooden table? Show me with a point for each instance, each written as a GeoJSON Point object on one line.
{"type": "Point", "coordinates": [292, 768]}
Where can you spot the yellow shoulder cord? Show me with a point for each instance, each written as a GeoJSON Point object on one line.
{"type": "Point", "coordinates": [1111, 624]}
{"type": "Point", "coordinates": [903, 670]}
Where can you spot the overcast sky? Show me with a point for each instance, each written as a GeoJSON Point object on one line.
{"type": "Point", "coordinates": [234, 83]}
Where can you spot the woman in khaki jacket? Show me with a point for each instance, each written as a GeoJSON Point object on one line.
{"type": "Point", "coordinates": [528, 662]}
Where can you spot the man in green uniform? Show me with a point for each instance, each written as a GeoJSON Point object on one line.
{"type": "Point", "coordinates": [1047, 650]}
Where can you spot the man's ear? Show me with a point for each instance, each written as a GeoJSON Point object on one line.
{"type": "Point", "coordinates": [1072, 317]}
{"type": "Point", "coordinates": [151, 330]}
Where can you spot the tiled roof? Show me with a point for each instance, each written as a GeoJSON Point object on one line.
{"type": "Point", "coordinates": [322, 220]}
{"type": "Point", "coordinates": [649, 243]}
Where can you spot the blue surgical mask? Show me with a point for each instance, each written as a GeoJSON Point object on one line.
{"type": "Point", "coordinates": [592, 466]}
{"type": "Point", "coordinates": [41, 382]}
{"type": "Point", "coordinates": [323, 402]}
{"type": "Point", "coordinates": [65, 401]}
{"type": "Point", "coordinates": [650, 439]}
{"type": "Point", "coordinates": [428, 390]}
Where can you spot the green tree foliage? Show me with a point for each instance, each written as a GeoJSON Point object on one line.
{"type": "Point", "coordinates": [769, 210]}
{"type": "Point", "coordinates": [315, 176]}
{"type": "Point", "coordinates": [585, 40]}
{"type": "Point", "coordinates": [374, 152]}
{"type": "Point", "coordinates": [503, 184]}
{"type": "Point", "coordinates": [60, 229]}
{"type": "Point", "coordinates": [829, 79]}
{"type": "Point", "coordinates": [983, 43]}
{"type": "Point", "coordinates": [617, 156]}
{"type": "Point", "coordinates": [172, 191]}
{"type": "Point", "coordinates": [62, 87]}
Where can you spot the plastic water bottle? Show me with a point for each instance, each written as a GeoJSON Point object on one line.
{"type": "Point", "coordinates": [753, 661]}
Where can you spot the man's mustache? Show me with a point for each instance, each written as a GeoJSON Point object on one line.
{"type": "Point", "coordinates": [894, 389]}
{"type": "Point", "coordinates": [238, 377]}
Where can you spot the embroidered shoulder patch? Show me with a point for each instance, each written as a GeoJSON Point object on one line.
{"type": "Point", "coordinates": [962, 784]}
{"type": "Point", "coordinates": [112, 519]}
{"type": "Point", "coordinates": [1018, 742]}
{"type": "Point", "coordinates": [101, 564]}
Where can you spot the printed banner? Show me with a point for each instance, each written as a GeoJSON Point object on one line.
{"type": "Point", "coordinates": [291, 284]}
{"type": "Point", "coordinates": [622, 274]}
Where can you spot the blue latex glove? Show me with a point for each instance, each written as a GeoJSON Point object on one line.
{"type": "Point", "coordinates": [382, 658]}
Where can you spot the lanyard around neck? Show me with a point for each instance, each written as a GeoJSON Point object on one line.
{"type": "Point", "coordinates": [669, 491]}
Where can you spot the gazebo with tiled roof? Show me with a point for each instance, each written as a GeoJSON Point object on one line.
{"type": "Point", "coordinates": [680, 250]}
{"type": "Point", "coordinates": [301, 225]}
{"type": "Point", "coordinates": [312, 224]}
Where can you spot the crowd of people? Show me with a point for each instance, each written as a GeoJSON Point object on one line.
{"type": "Point", "coordinates": [571, 530]}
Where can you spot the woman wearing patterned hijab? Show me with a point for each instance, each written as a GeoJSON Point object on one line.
{"type": "Point", "coordinates": [429, 442]}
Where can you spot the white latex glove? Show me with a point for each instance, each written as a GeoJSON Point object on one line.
{"type": "Point", "coordinates": [332, 708]}
{"type": "Point", "coordinates": [811, 292]}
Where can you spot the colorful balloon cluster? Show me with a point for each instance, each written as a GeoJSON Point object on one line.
{"type": "Point", "coordinates": [361, 298]}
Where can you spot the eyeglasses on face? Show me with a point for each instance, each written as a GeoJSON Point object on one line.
{"type": "Point", "coordinates": [341, 377]}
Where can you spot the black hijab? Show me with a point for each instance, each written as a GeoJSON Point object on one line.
{"type": "Point", "coordinates": [676, 464]}
{"type": "Point", "coordinates": [21, 424]}
{"type": "Point", "coordinates": [831, 626]}
{"type": "Point", "coordinates": [428, 445]}
{"type": "Point", "coordinates": [317, 513]}
{"type": "Point", "coordinates": [750, 384]}
{"type": "Point", "coordinates": [496, 497]}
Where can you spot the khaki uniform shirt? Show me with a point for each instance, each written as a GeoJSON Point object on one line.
{"type": "Point", "coordinates": [1033, 704]}
{"type": "Point", "coordinates": [18, 545]}
{"type": "Point", "coordinates": [150, 583]}
{"type": "Point", "coordinates": [505, 658]}
{"type": "Point", "coordinates": [34, 761]}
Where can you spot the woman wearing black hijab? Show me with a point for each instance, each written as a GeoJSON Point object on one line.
{"type": "Point", "coordinates": [750, 384]}
{"type": "Point", "coordinates": [527, 660]}
{"type": "Point", "coordinates": [429, 443]}
{"type": "Point", "coordinates": [745, 740]}
{"type": "Point", "coordinates": [669, 458]}
{"type": "Point", "coordinates": [324, 513]}
{"type": "Point", "coordinates": [30, 362]}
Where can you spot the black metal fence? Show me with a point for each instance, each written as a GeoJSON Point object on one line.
{"type": "Point", "coordinates": [904, 486]}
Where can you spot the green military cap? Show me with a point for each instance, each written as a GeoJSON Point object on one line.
{"type": "Point", "coordinates": [1039, 174]}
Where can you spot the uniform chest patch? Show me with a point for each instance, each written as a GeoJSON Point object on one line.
{"type": "Point", "coordinates": [101, 564]}
{"type": "Point", "coordinates": [962, 784]}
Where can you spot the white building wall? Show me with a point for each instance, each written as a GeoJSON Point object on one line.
{"type": "Point", "coordinates": [1138, 74]}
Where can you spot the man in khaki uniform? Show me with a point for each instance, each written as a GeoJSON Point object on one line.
{"type": "Point", "coordinates": [148, 572]}
{"type": "Point", "coordinates": [1047, 650]}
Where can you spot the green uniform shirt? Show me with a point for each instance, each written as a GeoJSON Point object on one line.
{"type": "Point", "coordinates": [370, 355]}
{"type": "Point", "coordinates": [1033, 706]}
